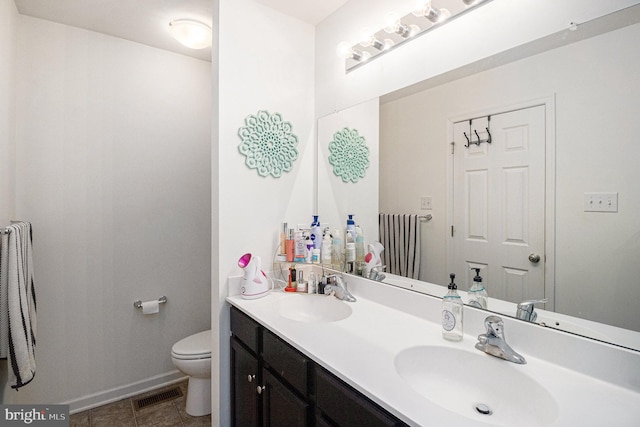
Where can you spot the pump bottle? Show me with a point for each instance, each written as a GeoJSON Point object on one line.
{"type": "Point", "coordinates": [477, 293]}
{"type": "Point", "coordinates": [452, 309]}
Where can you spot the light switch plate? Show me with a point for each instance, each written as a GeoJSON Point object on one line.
{"type": "Point", "coordinates": [601, 202]}
{"type": "Point", "coordinates": [426, 203]}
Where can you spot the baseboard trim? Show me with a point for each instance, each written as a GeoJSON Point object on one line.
{"type": "Point", "coordinates": [113, 395]}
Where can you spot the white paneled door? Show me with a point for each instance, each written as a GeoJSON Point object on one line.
{"type": "Point", "coordinates": [499, 203]}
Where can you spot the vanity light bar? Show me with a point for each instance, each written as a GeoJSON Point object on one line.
{"type": "Point", "coordinates": [429, 15]}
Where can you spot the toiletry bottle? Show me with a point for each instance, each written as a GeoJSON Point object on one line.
{"type": "Point", "coordinates": [300, 246]}
{"type": "Point", "coordinates": [360, 264]}
{"type": "Point", "coordinates": [315, 256]}
{"type": "Point", "coordinates": [337, 250]}
{"type": "Point", "coordinates": [325, 255]}
{"type": "Point", "coordinates": [283, 239]}
{"type": "Point", "coordinates": [312, 285]}
{"type": "Point", "coordinates": [289, 246]}
{"type": "Point", "coordinates": [350, 252]}
{"type": "Point", "coordinates": [452, 313]}
{"type": "Point", "coordinates": [293, 284]}
{"type": "Point", "coordinates": [316, 233]}
{"type": "Point", "coordinates": [301, 284]}
{"type": "Point", "coordinates": [308, 254]}
{"type": "Point", "coordinates": [477, 292]}
{"type": "Point", "coordinates": [351, 226]}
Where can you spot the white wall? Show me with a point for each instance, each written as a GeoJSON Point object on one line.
{"type": "Point", "coordinates": [344, 198]}
{"type": "Point", "coordinates": [264, 61]}
{"type": "Point", "coordinates": [596, 129]}
{"type": "Point", "coordinates": [8, 31]}
{"type": "Point", "coordinates": [113, 170]}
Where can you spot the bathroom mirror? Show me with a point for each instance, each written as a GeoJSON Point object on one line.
{"type": "Point", "coordinates": [589, 88]}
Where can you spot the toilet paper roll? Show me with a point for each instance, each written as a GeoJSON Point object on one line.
{"type": "Point", "coordinates": [150, 307]}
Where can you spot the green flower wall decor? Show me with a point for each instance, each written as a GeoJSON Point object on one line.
{"type": "Point", "coordinates": [268, 144]}
{"type": "Point", "coordinates": [349, 155]}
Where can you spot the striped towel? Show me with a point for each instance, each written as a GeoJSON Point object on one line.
{"type": "Point", "coordinates": [21, 302]}
{"type": "Point", "coordinates": [400, 236]}
{"type": "Point", "coordinates": [4, 304]}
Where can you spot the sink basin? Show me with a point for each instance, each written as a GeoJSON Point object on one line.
{"type": "Point", "coordinates": [470, 383]}
{"type": "Point", "coordinates": [314, 308]}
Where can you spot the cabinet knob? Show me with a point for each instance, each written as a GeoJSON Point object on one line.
{"type": "Point", "coordinates": [260, 389]}
{"type": "Point", "coordinates": [250, 378]}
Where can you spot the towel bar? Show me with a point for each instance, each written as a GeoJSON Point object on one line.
{"type": "Point", "coordinates": [138, 303]}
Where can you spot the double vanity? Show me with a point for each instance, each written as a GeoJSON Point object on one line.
{"type": "Point", "coordinates": [383, 356]}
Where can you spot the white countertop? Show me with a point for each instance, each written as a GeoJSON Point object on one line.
{"type": "Point", "coordinates": [361, 350]}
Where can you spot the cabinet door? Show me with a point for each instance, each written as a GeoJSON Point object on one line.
{"type": "Point", "coordinates": [245, 402]}
{"type": "Point", "coordinates": [281, 407]}
{"type": "Point", "coordinates": [347, 407]}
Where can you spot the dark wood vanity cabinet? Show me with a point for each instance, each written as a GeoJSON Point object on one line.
{"type": "Point", "coordinates": [273, 384]}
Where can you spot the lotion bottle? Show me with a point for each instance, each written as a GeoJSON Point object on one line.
{"type": "Point", "coordinates": [477, 293]}
{"type": "Point", "coordinates": [350, 256]}
{"type": "Point", "coordinates": [452, 309]}
{"type": "Point", "coordinates": [316, 233]}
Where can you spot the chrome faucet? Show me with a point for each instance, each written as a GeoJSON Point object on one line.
{"type": "Point", "coordinates": [494, 343]}
{"type": "Point", "coordinates": [526, 310]}
{"type": "Point", "coordinates": [339, 288]}
{"type": "Point", "coordinates": [376, 273]}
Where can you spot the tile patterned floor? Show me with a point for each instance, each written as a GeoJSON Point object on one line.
{"type": "Point", "coordinates": [123, 414]}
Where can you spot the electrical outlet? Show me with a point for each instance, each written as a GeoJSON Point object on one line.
{"type": "Point", "coordinates": [601, 202]}
{"type": "Point", "coordinates": [426, 203]}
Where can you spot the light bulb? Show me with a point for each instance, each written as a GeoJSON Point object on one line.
{"type": "Point", "coordinates": [370, 40]}
{"type": "Point", "coordinates": [392, 23]}
{"type": "Point", "coordinates": [193, 34]}
{"type": "Point", "coordinates": [420, 7]}
{"type": "Point", "coordinates": [413, 30]}
{"type": "Point", "coordinates": [346, 51]}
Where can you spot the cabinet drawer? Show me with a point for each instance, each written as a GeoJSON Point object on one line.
{"type": "Point", "coordinates": [346, 406]}
{"type": "Point", "coordinates": [286, 361]}
{"type": "Point", "coordinates": [245, 329]}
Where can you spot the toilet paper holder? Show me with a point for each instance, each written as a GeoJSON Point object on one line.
{"type": "Point", "coordinates": [138, 303]}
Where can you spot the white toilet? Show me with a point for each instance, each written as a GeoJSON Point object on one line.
{"type": "Point", "coordinates": [192, 356]}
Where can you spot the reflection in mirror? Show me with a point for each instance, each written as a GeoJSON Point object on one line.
{"type": "Point", "coordinates": [589, 112]}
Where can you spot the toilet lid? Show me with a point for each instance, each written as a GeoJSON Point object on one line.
{"type": "Point", "coordinates": [194, 345]}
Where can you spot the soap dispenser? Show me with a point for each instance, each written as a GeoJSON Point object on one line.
{"type": "Point", "coordinates": [477, 292]}
{"type": "Point", "coordinates": [452, 313]}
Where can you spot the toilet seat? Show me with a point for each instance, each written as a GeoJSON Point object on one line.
{"type": "Point", "coordinates": [196, 346]}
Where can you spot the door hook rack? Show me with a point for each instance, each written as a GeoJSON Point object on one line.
{"type": "Point", "coordinates": [478, 141]}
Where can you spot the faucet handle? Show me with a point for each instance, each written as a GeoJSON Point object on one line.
{"type": "Point", "coordinates": [494, 325]}
{"type": "Point", "coordinates": [525, 309]}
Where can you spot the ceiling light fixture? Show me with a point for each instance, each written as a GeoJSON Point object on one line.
{"type": "Point", "coordinates": [191, 33]}
{"type": "Point", "coordinates": [400, 28]}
